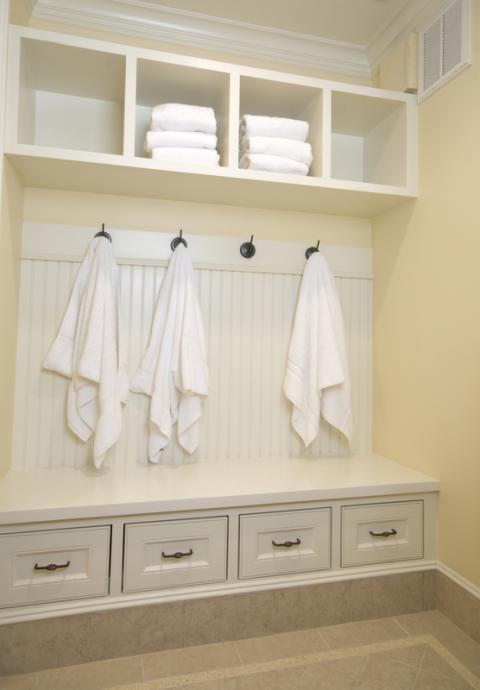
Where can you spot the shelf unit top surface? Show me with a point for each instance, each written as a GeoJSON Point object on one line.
{"type": "Point", "coordinates": [28, 495]}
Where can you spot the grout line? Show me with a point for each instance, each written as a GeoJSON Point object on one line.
{"type": "Point", "coordinates": [455, 663]}
{"type": "Point", "coordinates": [401, 626]}
{"type": "Point", "coordinates": [419, 669]}
{"type": "Point", "coordinates": [237, 652]}
{"type": "Point", "coordinates": [324, 640]}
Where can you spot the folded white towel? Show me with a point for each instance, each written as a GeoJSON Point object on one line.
{"type": "Point", "coordinates": [277, 146]}
{"type": "Point", "coordinates": [263, 126]}
{"type": "Point", "coordinates": [174, 368]}
{"type": "Point", "coordinates": [194, 140]}
{"type": "Point", "coordinates": [183, 118]}
{"type": "Point", "coordinates": [317, 379]}
{"type": "Point", "coordinates": [275, 164]}
{"type": "Point", "coordinates": [89, 350]}
{"type": "Point", "coordinates": [175, 155]}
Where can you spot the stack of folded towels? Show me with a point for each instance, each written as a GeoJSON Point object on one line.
{"type": "Point", "coordinates": [183, 134]}
{"type": "Point", "coordinates": [274, 144]}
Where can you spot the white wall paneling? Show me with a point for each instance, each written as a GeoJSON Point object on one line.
{"type": "Point", "coordinates": [248, 309]}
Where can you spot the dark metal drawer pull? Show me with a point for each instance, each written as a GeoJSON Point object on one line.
{"type": "Point", "coordinates": [287, 544]}
{"type": "Point", "coordinates": [51, 566]}
{"type": "Point", "coordinates": [177, 554]}
{"type": "Point", "coordinates": [387, 533]}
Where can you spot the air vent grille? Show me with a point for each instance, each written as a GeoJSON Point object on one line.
{"type": "Point", "coordinates": [444, 47]}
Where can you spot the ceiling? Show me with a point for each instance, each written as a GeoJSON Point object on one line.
{"type": "Point", "coordinates": [348, 21]}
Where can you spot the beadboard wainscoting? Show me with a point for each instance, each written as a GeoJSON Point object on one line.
{"type": "Point", "coordinates": [248, 309]}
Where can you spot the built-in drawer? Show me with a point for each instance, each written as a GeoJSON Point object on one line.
{"type": "Point", "coordinates": [382, 532]}
{"type": "Point", "coordinates": [175, 553]}
{"type": "Point", "coordinates": [36, 567]}
{"type": "Point", "coordinates": [284, 542]}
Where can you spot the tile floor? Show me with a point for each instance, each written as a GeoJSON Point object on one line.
{"type": "Point", "coordinates": [421, 651]}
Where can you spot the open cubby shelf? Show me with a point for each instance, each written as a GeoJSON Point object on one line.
{"type": "Point", "coordinates": [79, 109]}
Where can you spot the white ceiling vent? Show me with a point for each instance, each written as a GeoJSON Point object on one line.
{"type": "Point", "coordinates": [444, 47]}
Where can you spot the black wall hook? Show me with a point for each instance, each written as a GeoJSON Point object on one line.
{"type": "Point", "coordinates": [247, 250]}
{"type": "Point", "coordinates": [102, 233]}
{"type": "Point", "coordinates": [178, 240]}
{"type": "Point", "coordinates": [312, 250]}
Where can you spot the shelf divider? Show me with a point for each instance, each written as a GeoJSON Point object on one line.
{"type": "Point", "coordinates": [233, 120]}
{"type": "Point", "coordinates": [130, 106]}
{"type": "Point", "coordinates": [327, 134]}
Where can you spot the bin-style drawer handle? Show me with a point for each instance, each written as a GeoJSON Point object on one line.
{"type": "Point", "coordinates": [51, 566]}
{"type": "Point", "coordinates": [177, 554]}
{"type": "Point", "coordinates": [287, 544]}
{"type": "Point", "coordinates": [387, 533]}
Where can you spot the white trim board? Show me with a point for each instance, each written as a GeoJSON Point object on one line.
{"type": "Point", "coordinates": [150, 20]}
{"type": "Point", "coordinates": [459, 579]}
{"type": "Point", "coordinates": [69, 243]}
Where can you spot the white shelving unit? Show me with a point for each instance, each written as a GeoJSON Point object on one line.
{"type": "Point", "coordinates": [79, 108]}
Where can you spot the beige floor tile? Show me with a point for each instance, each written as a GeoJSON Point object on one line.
{"type": "Point", "coordinates": [331, 675]}
{"type": "Point", "coordinates": [189, 660]}
{"type": "Point", "coordinates": [447, 633]}
{"type": "Point", "coordinates": [271, 647]}
{"type": "Point", "coordinates": [381, 673]}
{"type": "Point", "coordinates": [411, 656]}
{"type": "Point", "coordinates": [98, 675]}
{"type": "Point", "coordinates": [426, 622]}
{"type": "Point", "coordinates": [433, 663]}
{"type": "Point", "coordinates": [361, 633]}
{"type": "Point", "coordinates": [427, 680]}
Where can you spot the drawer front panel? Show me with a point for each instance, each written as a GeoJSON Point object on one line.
{"type": "Point", "coordinates": [382, 532]}
{"type": "Point", "coordinates": [37, 567]}
{"type": "Point", "coordinates": [175, 553]}
{"type": "Point", "coordinates": [284, 542]}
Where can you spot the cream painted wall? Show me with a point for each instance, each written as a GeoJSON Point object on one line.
{"type": "Point", "coordinates": [78, 208]}
{"type": "Point", "coordinates": [427, 316]}
{"type": "Point", "coordinates": [10, 238]}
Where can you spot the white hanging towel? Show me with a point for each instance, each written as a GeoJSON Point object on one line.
{"type": "Point", "coordinates": [317, 379]}
{"type": "Point", "coordinates": [174, 368]}
{"type": "Point", "coordinates": [89, 350]}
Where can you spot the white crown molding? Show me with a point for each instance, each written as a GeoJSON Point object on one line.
{"type": "Point", "coordinates": [409, 18]}
{"type": "Point", "coordinates": [150, 20]}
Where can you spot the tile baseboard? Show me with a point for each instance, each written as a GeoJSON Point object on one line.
{"type": "Point", "coordinates": [68, 640]}
{"type": "Point", "coordinates": [459, 600]}
{"type": "Point", "coordinates": [94, 636]}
